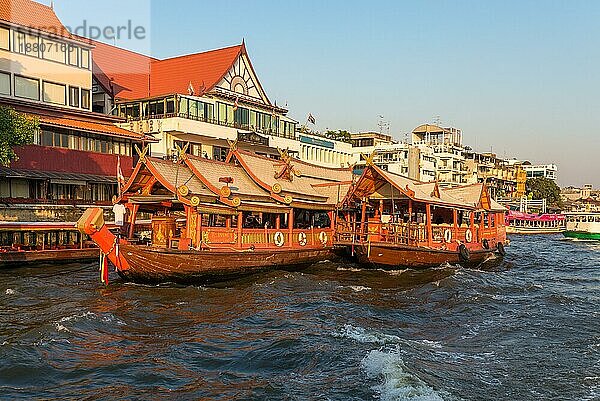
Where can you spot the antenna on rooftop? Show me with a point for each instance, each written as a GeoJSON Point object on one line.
{"type": "Point", "coordinates": [383, 125]}
{"type": "Point", "coordinates": [437, 120]}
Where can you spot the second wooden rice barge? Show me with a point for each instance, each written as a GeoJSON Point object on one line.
{"type": "Point", "coordinates": [391, 221]}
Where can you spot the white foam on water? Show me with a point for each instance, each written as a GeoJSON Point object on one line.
{"type": "Point", "coordinates": [348, 269]}
{"type": "Point", "coordinates": [60, 327]}
{"type": "Point", "coordinates": [394, 272]}
{"type": "Point", "coordinates": [86, 315]}
{"type": "Point", "coordinates": [359, 288]}
{"type": "Point", "coordinates": [363, 336]}
{"type": "Point", "coordinates": [10, 291]}
{"type": "Point", "coordinates": [396, 383]}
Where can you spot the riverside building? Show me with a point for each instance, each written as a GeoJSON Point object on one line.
{"type": "Point", "coordinates": [204, 101]}
{"type": "Point", "coordinates": [46, 72]}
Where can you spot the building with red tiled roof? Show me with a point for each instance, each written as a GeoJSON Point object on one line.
{"type": "Point", "coordinates": [205, 99]}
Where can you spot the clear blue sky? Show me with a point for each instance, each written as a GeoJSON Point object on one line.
{"type": "Point", "coordinates": [519, 77]}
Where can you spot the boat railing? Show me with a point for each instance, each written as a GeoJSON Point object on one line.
{"type": "Point", "coordinates": [408, 233]}
{"type": "Point", "coordinates": [265, 237]}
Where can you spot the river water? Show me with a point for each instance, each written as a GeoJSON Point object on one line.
{"type": "Point", "coordinates": [528, 330]}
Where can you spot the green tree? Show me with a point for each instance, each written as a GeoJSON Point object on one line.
{"type": "Point", "coordinates": [339, 135]}
{"type": "Point", "coordinates": [544, 188]}
{"type": "Point", "coordinates": [16, 129]}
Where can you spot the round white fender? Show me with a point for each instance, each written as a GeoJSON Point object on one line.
{"type": "Point", "coordinates": [448, 236]}
{"type": "Point", "coordinates": [279, 239]}
{"type": "Point", "coordinates": [302, 239]}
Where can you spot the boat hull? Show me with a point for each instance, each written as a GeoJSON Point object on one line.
{"type": "Point", "coordinates": [10, 259]}
{"type": "Point", "coordinates": [395, 256]}
{"type": "Point", "coordinates": [153, 265]}
{"type": "Point", "coordinates": [582, 235]}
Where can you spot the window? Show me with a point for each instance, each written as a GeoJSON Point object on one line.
{"type": "Point", "coordinates": [4, 83]}
{"type": "Point", "coordinates": [220, 153]}
{"type": "Point", "coordinates": [85, 99]}
{"type": "Point", "coordinates": [85, 58]}
{"type": "Point", "coordinates": [73, 96]}
{"type": "Point", "coordinates": [55, 51]}
{"type": "Point", "coordinates": [157, 108]}
{"type": "Point", "coordinates": [73, 53]}
{"type": "Point", "coordinates": [55, 93]}
{"type": "Point", "coordinates": [4, 39]}
{"type": "Point", "coordinates": [27, 88]}
{"type": "Point", "coordinates": [46, 138]}
{"type": "Point", "coordinates": [170, 106]}
{"type": "Point", "coordinates": [26, 44]}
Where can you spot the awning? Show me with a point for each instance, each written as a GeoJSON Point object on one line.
{"type": "Point", "coordinates": [89, 126]}
{"type": "Point", "coordinates": [64, 178]}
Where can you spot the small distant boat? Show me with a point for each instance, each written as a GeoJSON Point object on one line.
{"type": "Point", "coordinates": [526, 223]}
{"type": "Point", "coordinates": [583, 225]}
{"type": "Point", "coordinates": [42, 242]}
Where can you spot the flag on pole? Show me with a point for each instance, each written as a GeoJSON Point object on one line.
{"type": "Point", "coordinates": [236, 104]}
{"type": "Point", "coordinates": [120, 178]}
{"type": "Point", "coordinates": [191, 90]}
{"type": "Point", "coordinates": [311, 119]}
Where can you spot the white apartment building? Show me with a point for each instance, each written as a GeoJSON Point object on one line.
{"type": "Point", "coordinates": [541, 170]}
{"type": "Point", "coordinates": [448, 150]}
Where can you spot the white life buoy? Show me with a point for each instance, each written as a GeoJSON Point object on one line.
{"type": "Point", "coordinates": [323, 238]}
{"type": "Point", "coordinates": [302, 239]}
{"type": "Point", "coordinates": [448, 236]}
{"type": "Point", "coordinates": [279, 239]}
{"type": "Point", "coordinates": [469, 236]}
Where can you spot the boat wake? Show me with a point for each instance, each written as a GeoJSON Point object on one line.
{"type": "Point", "coordinates": [395, 381]}
{"type": "Point", "coordinates": [363, 336]}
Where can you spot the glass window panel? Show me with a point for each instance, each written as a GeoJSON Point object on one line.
{"type": "Point", "coordinates": [32, 46]}
{"type": "Point", "coordinates": [183, 107]}
{"type": "Point", "coordinates": [85, 99]}
{"type": "Point", "coordinates": [4, 83]}
{"type": "Point", "coordinates": [54, 93]}
{"type": "Point", "coordinates": [193, 109]}
{"type": "Point", "coordinates": [170, 106]}
{"type": "Point", "coordinates": [222, 112]}
{"type": "Point", "coordinates": [73, 55]}
{"type": "Point", "coordinates": [55, 51]}
{"type": "Point", "coordinates": [46, 138]}
{"type": "Point", "coordinates": [4, 39]}
{"type": "Point", "coordinates": [85, 58]}
{"type": "Point", "coordinates": [27, 88]}
{"type": "Point", "coordinates": [73, 96]}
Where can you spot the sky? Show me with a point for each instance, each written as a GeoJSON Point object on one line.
{"type": "Point", "coordinates": [520, 78]}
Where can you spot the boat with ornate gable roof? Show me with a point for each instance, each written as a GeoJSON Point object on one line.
{"type": "Point", "coordinates": [391, 221]}
{"type": "Point", "coordinates": [215, 220]}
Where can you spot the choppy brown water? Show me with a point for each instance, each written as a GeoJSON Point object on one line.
{"type": "Point", "coordinates": [529, 330]}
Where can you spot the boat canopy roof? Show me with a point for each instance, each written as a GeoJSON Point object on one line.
{"type": "Point", "coordinates": [246, 181]}
{"type": "Point", "coordinates": [375, 183]}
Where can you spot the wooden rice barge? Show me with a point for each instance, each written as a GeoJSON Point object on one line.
{"type": "Point", "coordinates": [26, 243]}
{"type": "Point", "coordinates": [390, 221]}
{"type": "Point", "coordinates": [214, 220]}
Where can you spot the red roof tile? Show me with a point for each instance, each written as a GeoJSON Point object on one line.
{"type": "Point", "coordinates": [126, 71]}
{"type": "Point", "coordinates": [33, 15]}
{"type": "Point", "coordinates": [136, 76]}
